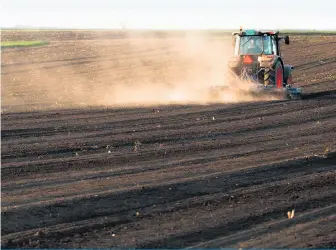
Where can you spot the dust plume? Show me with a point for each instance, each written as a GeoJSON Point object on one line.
{"type": "Point", "coordinates": [121, 70]}
{"type": "Point", "coordinates": [184, 73]}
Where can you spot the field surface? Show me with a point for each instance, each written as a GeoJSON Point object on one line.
{"type": "Point", "coordinates": [84, 164]}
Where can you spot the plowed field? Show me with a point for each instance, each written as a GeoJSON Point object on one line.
{"type": "Point", "coordinates": [79, 172]}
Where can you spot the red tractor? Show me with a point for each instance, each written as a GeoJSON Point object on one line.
{"type": "Point", "coordinates": [257, 58]}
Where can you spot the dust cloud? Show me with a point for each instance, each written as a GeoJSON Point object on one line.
{"type": "Point", "coordinates": [135, 70]}
{"type": "Point", "coordinates": [193, 66]}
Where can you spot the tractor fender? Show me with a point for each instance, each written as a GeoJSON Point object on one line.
{"type": "Point", "coordinates": [288, 73]}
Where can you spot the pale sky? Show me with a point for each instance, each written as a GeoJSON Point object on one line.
{"type": "Point", "coordinates": [170, 14]}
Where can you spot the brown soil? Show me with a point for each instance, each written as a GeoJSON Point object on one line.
{"type": "Point", "coordinates": [78, 172]}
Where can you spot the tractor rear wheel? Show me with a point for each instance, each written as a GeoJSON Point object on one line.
{"type": "Point", "coordinates": [274, 76]}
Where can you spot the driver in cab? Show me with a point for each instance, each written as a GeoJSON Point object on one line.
{"type": "Point", "coordinates": [255, 46]}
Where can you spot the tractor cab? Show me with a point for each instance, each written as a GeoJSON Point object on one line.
{"type": "Point", "coordinates": [252, 42]}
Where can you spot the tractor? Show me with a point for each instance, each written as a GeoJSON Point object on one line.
{"type": "Point", "coordinates": [257, 59]}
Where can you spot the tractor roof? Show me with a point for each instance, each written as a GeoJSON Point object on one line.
{"type": "Point", "coordinates": [253, 32]}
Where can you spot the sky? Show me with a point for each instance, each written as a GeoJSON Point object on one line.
{"type": "Point", "coordinates": [170, 14]}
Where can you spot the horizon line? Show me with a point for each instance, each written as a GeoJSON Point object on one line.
{"type": "Point", "coordinates": [157, 29]}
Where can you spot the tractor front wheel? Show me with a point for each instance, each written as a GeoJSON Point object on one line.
{"type": "Point", "coordinates": [274, 76]}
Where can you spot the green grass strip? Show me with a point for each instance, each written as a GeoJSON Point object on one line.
{"type": "Point", "coordinates": [14, 44]}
